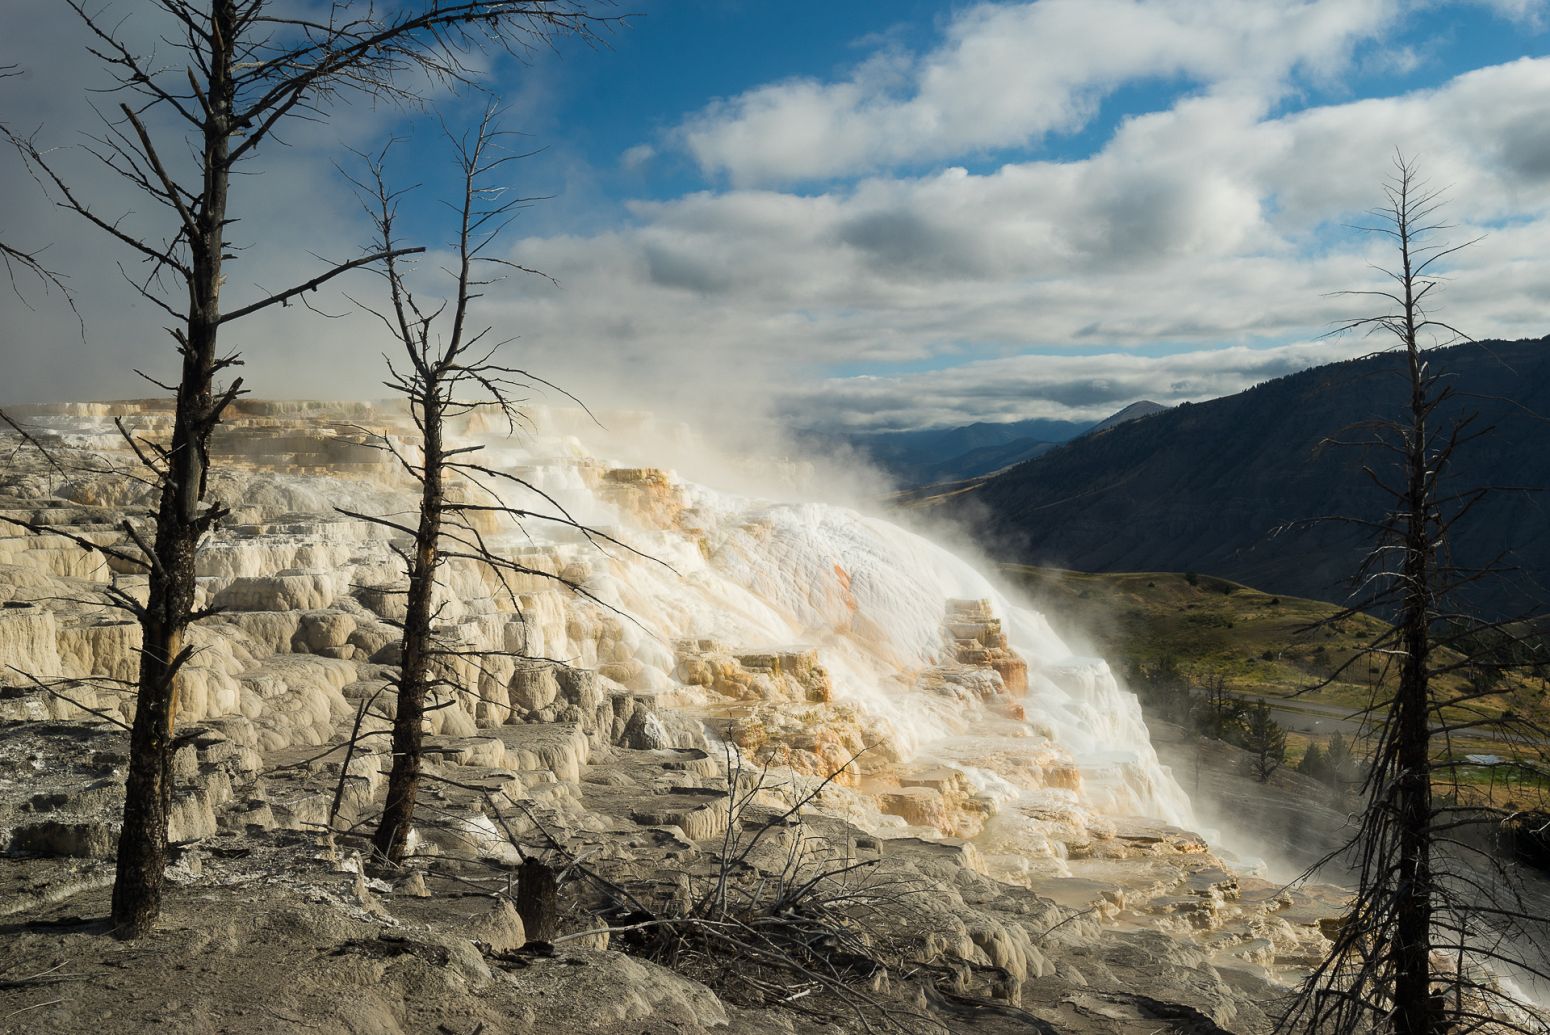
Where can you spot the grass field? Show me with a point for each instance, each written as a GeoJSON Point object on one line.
{"type": "Point", "coordinates": [1278, 648]}
{"type": "Point", "coordinates": [1264, 645]}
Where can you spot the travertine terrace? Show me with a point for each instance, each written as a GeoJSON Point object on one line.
{"type": "Point", "coordinates": [1054, 871]}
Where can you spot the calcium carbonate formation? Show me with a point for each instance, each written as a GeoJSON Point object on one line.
{"type": "Point", "coordinates": [808, 635]}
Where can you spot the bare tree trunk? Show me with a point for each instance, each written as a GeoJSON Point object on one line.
{"type": "Point", "coordinates": [1416, 1012]}
{"type": "Point", "coordinates": [447, 371]}
{"type": "Point", "coordinates": [248, 67]}
{"type": "Point", "coordinates": [537, 900]}
{"type": "Point", "coordinates": [142, 847]}
{"type": "Point", "coordinates": [391, 841]}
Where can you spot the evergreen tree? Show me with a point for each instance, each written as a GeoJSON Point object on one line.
{"type": "Point", "coordinates": [1312, 762]}
{"type": "Point", "coordinates": [1266, 741]}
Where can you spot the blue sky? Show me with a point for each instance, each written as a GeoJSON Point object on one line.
{"type": "Point", "coordinates": [588, 106]}
{"type": "Point", "coordinates": [678, 55]}
{"type": "Point", "coordinates": [887, 215]}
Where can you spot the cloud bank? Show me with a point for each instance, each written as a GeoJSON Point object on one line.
{"type": "Point", "coordinates": [901, 245]}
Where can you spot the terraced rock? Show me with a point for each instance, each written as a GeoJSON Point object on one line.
{"type": "Point", "coordinates": [902, 749]}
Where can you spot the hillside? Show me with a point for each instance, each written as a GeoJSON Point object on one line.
{"type": "Point", "coordinates": [1205, 487]}
{"type": "Point", "coordinates": [1289, 652]}
{"type": "Point", "coordinates": [1265, 645]}
{"type": "Point", "coordinates": [1277, 647]}
{"type": "Point", "coordinates": [926, 455]}
{"type": "Point", "coordinates": [1135, 411]}
{"type": "Point", "coordinates": [934, 456]}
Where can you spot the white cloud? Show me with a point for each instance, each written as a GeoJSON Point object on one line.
{"type": "Point", "coordinates": [1007, 74]}
{"type": "Point", "coordinates": [637, 156]}
{"type": "Point", "coordinates": [1208, 224]}
{"type": "Point", "coordinates": [1531, 12]}
{"type": "Point", "coordinates": [1076, 387]}
{"type": "Point", "coordinates": [1203, 225]}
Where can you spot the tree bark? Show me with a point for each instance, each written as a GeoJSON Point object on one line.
{"type": "Point", "coordinates": [1415, 1010]}
{"type": "Point", "coordinates": [142, 848]}
{"type": "Point", "coordinates": [391, 841]}
{"type": "Point", "coordinates": [538, 901]}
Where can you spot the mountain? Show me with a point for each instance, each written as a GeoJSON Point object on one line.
{"type": "Point", "coordinates": [1135, 411]}
{"type": "Point", "coordinates": [932, 455]}
{"type": "Point", "coordinates": [977, 462]}
{"type": "Point", "coordinates": [1205, 486]}
{"type": "Point", "coordinates": [926, 455]}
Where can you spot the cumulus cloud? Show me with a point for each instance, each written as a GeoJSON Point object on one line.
{"type": "Point", "coordinates": [1528, 11]}
{"type": "Point", "coordinates": [1007, 74]}
{"type": "Point", "coordinates": [944, 296]}
{"type": "Point", "coordinates": [1203, 225]}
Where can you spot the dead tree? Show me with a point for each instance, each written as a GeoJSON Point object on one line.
{"type": "Point", "coordinates": [244, 70]}
{"type": "Point", "coordinates": [447, 369]}
{"type": "Point", "coordinates": [1437, 913]}
{"type": "Point", "coordinates": [1219, 714]}
{"type": "Point", "coordinates": [17, 261]}
{"type": "Point", "coordinates": [538, 900]}
{"type": "Point", "coordinates": [29, 262]}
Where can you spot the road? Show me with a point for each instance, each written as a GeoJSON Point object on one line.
{"type": "Point", "coordinates": [1305, 716]}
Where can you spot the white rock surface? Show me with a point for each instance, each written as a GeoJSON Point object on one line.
{"type": "Point", "coordinates": [820, 630]}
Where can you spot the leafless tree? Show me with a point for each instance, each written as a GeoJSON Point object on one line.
{"type": "Point", "coordinates": [447, 368]}
{"type": "Point", "coordinates": [240, 71]}
{"type": "Point", "coordinates": [1219, 713]}
{"type": "Point", "coordinates": [28, 263]}
{"type": "Point", "coordinates": [1438, 915]}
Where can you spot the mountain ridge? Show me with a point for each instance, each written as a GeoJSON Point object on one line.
{"type": "Point", "coordinates": [1135, 411]}
{"type": "Point", "coordinates": [928, 456]}
{"type": "Point", "coordinates": [1207, 486]}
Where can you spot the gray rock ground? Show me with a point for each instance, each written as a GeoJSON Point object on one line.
{"type": "Point", "coordinates": [271, 924]}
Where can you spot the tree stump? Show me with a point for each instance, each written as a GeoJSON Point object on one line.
{"type": "Point", "coordinates": [537, 901]}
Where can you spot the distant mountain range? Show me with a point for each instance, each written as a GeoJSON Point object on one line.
{"type": "Point", "coordinates": [933, 455]}
{"type": "Point", "coordinates": [1204, 487]}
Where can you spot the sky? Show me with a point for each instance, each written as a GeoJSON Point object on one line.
{"type": "Point", "coordinates": [867, 215]}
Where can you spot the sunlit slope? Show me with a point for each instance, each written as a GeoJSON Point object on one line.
{"type": "Point", "coordinates": [1289, 650]}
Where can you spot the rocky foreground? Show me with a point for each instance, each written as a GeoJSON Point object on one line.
{"type": "Point", "coordinates": [988, 879]}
